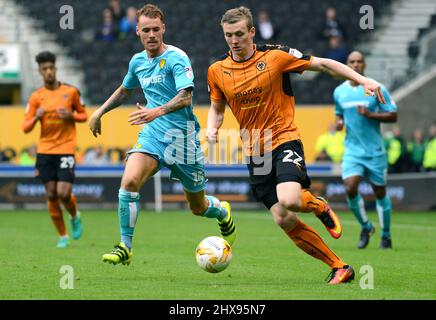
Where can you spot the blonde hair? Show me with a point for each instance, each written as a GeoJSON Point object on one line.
{"type": "Point", "coordinates": [237, 14]}
{"type": "Point", "coordinates": [151, 11]}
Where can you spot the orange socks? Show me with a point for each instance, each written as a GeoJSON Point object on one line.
{"type": "Point", "coordinates": [54, 208]}
{"type": "Point", "coordinates": [72, 206]}
{"type": "Point", "coordinates": [309, 203]}
{"type": "Point", "coordinates": [310, 242]}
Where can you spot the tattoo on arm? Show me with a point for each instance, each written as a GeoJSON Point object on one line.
{"type": "Point", "coordinates": [116, 99]}
{"type": "Point", "coordinates": [181, 100]}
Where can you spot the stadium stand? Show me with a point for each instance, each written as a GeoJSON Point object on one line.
{"type": "Point", "coordinates": [388, 61]}
{"type": "Point", "coordinates": [194, 26]}
{"type": "Point", "coordinates": [18, 26]}
{"type": "Point", "coordinates": [422, 50]}
{"type": "Point", "coordinates": [414, 90]}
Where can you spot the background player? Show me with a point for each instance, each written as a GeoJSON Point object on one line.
{"type": "Point", "coordinates": [365, 154]}
{"type": "Point", "coordinates": [165, 75]}
{"type": "Point", "coordinates": [254, 81]}
{"type": "Point", "coordinates": [57, 106]}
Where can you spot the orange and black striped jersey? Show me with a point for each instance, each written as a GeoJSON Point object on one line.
{"type": "Point", "coordinates": [259, 93]}
{"type": "Point", "coordinates": [58, 136]}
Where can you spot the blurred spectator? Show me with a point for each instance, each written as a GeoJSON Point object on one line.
{"type": "Point", "coordinates": [116, 155]}
{"type": "Point", "coordinates": [7, 155]}
{"type": "Point", "coordinates": [116, 10]}
{"type": "Point", "coordinates": [128, 23]}
{"type": "Point", "coordinates": [330, 145]}
{"type": "Point", "coordinates": [266, 31]}
{"type": "Point", "coordinates": [108, 30]}
{"type": "Point", "coordinates": [416, 150]}
{"type": "Point", "coordinates": [396, 152]}
{"type": "Point", "coordinates": [430, 150]}
{"type": "Point", "coordinates": [96, 156]}
{"type": "Point", "coordinates": [28, 156]}
{"type": "Point", "coordinates": [323, 156]}
{"type": "Point", "coordinates": [337, 50]}
{"type": "Point", "coordinates": [332, 27]}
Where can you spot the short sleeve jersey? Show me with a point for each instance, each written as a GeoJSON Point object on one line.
{"type": "Point", "coordinates": [363, 137]}
{"type": "Point", "coordinates": [260, 95]}
{"type": "Point", "coordinates": [160, 79]}
{"type": "Point", "coordinates": [58, 136]}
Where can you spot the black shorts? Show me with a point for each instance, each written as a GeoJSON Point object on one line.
{"type": "Point", "coordinates": [55, 167]}
{"type": "Point", "coordinates": [284, 164]}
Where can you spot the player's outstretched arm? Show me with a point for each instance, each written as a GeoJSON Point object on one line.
{"type": "Point", "coordinates": [336, 68]}
{"type": "Point", "coordinates": [116, 99]}
{"type": "Point", "coordinates": [215, 120]}
{"type": "Point", "coordinates": [144, 115]}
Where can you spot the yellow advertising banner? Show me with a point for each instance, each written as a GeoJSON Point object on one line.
{"type": "Point", "coordinates": [311, 121]}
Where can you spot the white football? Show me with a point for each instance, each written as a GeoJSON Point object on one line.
{"type": "Point", "coordinates": [213, 254]}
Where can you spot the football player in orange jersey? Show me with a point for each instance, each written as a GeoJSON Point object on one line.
{"type": "Point", "coordinates": [254, 82]}
{"type": "Point", "coordinates": [57, 106]}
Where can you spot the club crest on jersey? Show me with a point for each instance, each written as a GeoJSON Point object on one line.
{"type": "Point", "coordinates": [261, 65]}
{"type": "Point", "coordinates": [65, 96]}
{"type": "Point", "coordinates": [162, 63]}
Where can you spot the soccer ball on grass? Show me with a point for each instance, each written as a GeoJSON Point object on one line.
{"type": "Point", "coordinates": [213, 254]}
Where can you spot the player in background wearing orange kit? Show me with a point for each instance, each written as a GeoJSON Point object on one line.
{"type": "Point", "coordinates": [57, 106]}
{"type": "Point", "coordinates": [254, 81]}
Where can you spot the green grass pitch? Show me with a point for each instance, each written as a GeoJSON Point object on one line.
{"type": "Point", "coordinates": [266, 264]}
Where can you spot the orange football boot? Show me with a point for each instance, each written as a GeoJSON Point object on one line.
{"type": "Point", "coordinates": [330, 220]}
